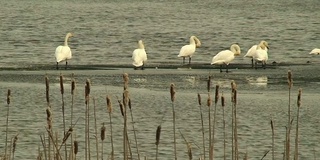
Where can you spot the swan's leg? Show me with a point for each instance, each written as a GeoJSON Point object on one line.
{"type": "Point", "coordinates": [255, 64]}
{"type": "Point", "coordinates": [227, 68]}
{"type": "Point", "coordinates": [264, 64]}
{"type": "Point", "coordinates": [66, 64]}
{"type": "Point", "coordinates": [189, 60]}
{"type": "Point", "coordinates": [184, 58]}
{"type": "Point", "coordinates": [220, 68]}
{"type": "Point", "coordinates": [57, 66]}
{"type": "Point", "coordinates": [142, 67]}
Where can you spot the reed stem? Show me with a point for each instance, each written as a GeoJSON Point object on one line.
{"type": "Point", "coordinates": [296, 153]}
{"type": "Point", "coordinates": [202, 127]}
{"type": "Point", "coordinates": [109, 108]}
{"type": "Point", "coordinates": [134, 131]}
{"type": "Point", "coordinates": [172, 94]}
{"type": "Point", "coordinates": [7, 122]}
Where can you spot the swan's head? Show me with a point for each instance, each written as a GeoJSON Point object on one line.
{"type": "Point", "coordinates": [140, 44]}
{"type": "Point", "coordinates": [264, 45]}
{"type": "Point", "coordinates": [195, 40]}
{"type": "Point", "coordinates": [235, 49]}
{"type": "Point", "coordinates": [69, 35]}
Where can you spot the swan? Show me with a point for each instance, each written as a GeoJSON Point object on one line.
{"type": "Point", "coordinates": [315, 51]}
{"type": "Point", "coordinates": [188, 50]}
{"type": "Point", "coordinates": [63, 53]}
{"type": "Point", "coordinates": [261, 54]}
{"type": "Point", "coordinates": [226, 56]}
{"type": "Point", "coordinates": [139, 56]}
{"type": "Point", "coordinates": [252, 51]}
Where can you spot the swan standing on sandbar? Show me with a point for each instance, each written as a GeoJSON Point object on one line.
{"type": "Point", "coordinates": [63, 53]}
{"type": "Point", "coordinates": [139, 56]}
{"type": "Point", "coordinates": [252, 51]}
{"type": "Point", "coordinates": [188, 50]}
{"type": "Point", "coordinates": [226, 56]}
{"type": "Point", "coordinates": [261, 54]}
{"type": "Point", "coordinates": [315, 51]}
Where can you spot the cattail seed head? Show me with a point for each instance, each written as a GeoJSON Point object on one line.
{"type": "Point", "coordinates": [73, 86]}
{"type": "Point", "coordinates": [49, 118]}
{"type": "Point", "coordinates": [109, 104]}
{"type": "Point", "coordinates": [271, 123]}
{"type": "Point", "coordinates": [125, 97]}
{"type": "Point", "coordinates": [235, 97]}
{"type": "Point", "coordinates": [47, 89]}
{"type": "Point", "coordinates": [299, 97]}
{"type": "Point", "coordinates": [129, 103]}
{"type": "Point", "coordinates": [103, 132]}
{"type": "Point", "coordinates": [14, 145]}
{"type": "Point", "coordinates": [125, 80]}
{"type": "Point", "coordinates": [216, 98]}
{"type": "Point", "coordinates": [87, 91]}
{"type": "Point", "coordinates": [189, 151]}
{"type": "Point", "coordinates": [199, 99]}
{"type": "Point", "coordinates": [121, 107]}
{"type": "Point", "coordinates": [61, 84]}
{"type": "Point", "coordinates": [209, 101]}
{"type": "Point", "coordinates": [75, 149]}
{"type": "Point", "coordinates": [290, 82]}
{"type": "Point", "coordinates": [222, 101]}
{"type": "Point", "coordinates": [158, 135]}
{"type": "Point", "coordinates": [209, 84]}
{"type": "Point", "coordinates": [8, 96]}
{"type": "Point", "coordinates": [172, 92]}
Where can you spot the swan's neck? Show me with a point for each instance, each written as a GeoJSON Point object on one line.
{"type": "Point", "coordinates": [66, 40]}
{"type": "Point", "coordinates": [141, 46]}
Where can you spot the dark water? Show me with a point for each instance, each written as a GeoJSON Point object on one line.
{"type": "Point", "coordinates": [106, 33]}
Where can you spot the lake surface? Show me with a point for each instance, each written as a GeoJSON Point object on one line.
{"type": "Point", "coordinates": [106, 33]}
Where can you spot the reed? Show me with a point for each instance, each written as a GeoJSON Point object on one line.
{"type": "Point", "coordinates": [290, 84]}
{"type": "Point", "coordinates": [158, 133]}
{"type": "Point", "coordinates": [109, 108]}
{"type": "Point", "coordinates": [7, 122]}
{"type": "Point", "coordinates": [216, 98]}
{"type": "Point", "coordinates": [134, 131]}
{"type": "Point", "coordinates": [102, 138]}
{"type": "Point", "coordinates": [272, 129]}
{"type": "Point", "coordinates": [224, 126]}
{"type": "Point", "coordinates": [63, 111]}
{"type": "Point", "coordinates": [87, 120]}
{"type": "Point", "coordinates": [235, 125]}
{"type": "Point", "coordinates": [296, 153]}
{"type": "Point", "coordinates": [95, 127]}
{"type": "Point", "coordinates": [172, 95]}
{"type": "Point", "coordinates": [202, 127]}
{"type": "Point", "coordinates": [73, 87]}
{"type": "Point", "coordinates": [209, 104]}
{"type": "Point", "coordinates": [189, 149]}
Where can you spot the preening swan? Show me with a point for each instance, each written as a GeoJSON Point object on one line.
{"type": "Point", "coordinates": [252, 51]}
{"type": "Point", "coordinates": [63, 53]}
{"type": "Point", "coordinates": [315, 51]}
{"type": "Point", "coordinates": [188, 50]}
{"type": "Point", "coordinates": [139, 56]}
{"type": "Point", "coordinates": [226, 56]}
{"type": "Point", "coordinates": [261, 54]}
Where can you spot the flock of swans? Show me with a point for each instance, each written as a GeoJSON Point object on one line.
{"type": "Point", "coordinates": [258, 53]}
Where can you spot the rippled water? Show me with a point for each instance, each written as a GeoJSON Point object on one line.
{"type": "Point", "coordinates": [106, 32]}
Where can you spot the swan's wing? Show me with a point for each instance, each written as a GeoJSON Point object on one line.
{"type": "Point", "coordinates": [315, 51]}
{"type": "Point", "coordinates": [138, 57]}
{"type": "Point", "coordinates": [223, 57]}
{"type": "Point", "coordinates": [187, 50]}
{"type": "Point", "coordinates": [251, 51]}
{"type": "Point", "coordinates": [261, 55]}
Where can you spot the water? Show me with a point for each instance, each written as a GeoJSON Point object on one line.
{"type": "Point", "coordinates": [106, 33]}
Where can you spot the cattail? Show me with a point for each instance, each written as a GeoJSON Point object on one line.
{"type": "Point", "coordinates": [125, 80]}
{"type": "Point", "coordinates": [61, 84]}
{"type": "Point", "coordinates": [8, 96]}
{"type": "Point", "coordinates": [73, 86]}
{"type": "Point", "coordinates": [87, 90]}
{"type": "Point", "coordinates": [129, 103]}
{"type": "Point", "coordinates": [121, 107]}
{"type": "Point", "coordinates": [189, 151]}
{"type": "Point", "coordinates": [49, 119]}
{"type": "Point", "coordinates": [125, 97]}
{"type": "Point", "coordinates": [290, 82]}
{"type": "Point", "coordinates": [67, 135]}
{"type": "Point", "coordinates": [47, 89]}
{"type": "Point", "coordinates": [209, 84]}
{"type": "Point", "coordinates": [233, 88]}
{"type": "Point", "coordinates": [216, 94]}
{"type": "Point", "coordinates": [199, 99]}
{"type": "Point", "coordinates": [158, 135]}
{"type": "Point", "coordinates": [271, 123]}
{"type": "Point", "coordinates": [172, 92]}
{"type": "Point", "coordinates": [75, 147]}
{"type": "Point", "coordinates": [222, 101]}
{"type": "Point", "coordinates": [299, 98]}
{"type": "Point", "coordinates": [235, 96]}
{"type": "Point", "coordinates": [103, 132]}
{"type": "Point", "coordinates": [109, 104]}
{"type": "Point", "coordinates": [14, 143]}
{"type": "Point", "coordinates": [209, 101]}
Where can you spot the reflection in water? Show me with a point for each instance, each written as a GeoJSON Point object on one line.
{"type": "Point", "coordinates": [261, 81]}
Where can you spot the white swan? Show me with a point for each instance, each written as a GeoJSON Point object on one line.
{"type": "Point", "coordinates": [63, 53]}
{"type": "Point", "coordinates": [139, 56]}
{"type": "Point", "coordinates": [315, 51]}
{"type": "Point", "coordinates": [261, 54]}
{"type": "Point", "coordinates": [226, 56]}
{"type": "Point", "coordinates": [188, 50]}
{"type": "Point", "coordinates": [252, 51]}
